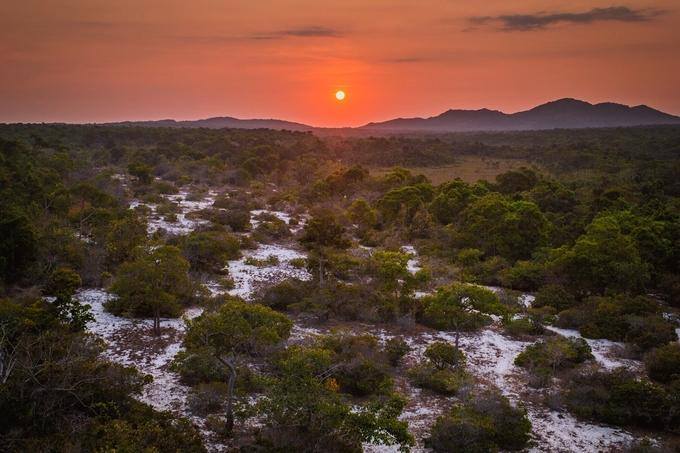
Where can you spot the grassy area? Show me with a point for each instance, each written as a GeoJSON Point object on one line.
{"type": "Point", "coordinates": [468, 168]}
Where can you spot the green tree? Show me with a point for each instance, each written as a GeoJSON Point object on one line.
{"type": "Point", "coordinates": [323, 233]}
{"type": "Point", "coordinates": [233, 330]}
{"type": "Point", "coordinates": [62, 285]}
{"type": "Point", "coordinates": [602, 260]}
{"type": "Point", "coordinates": [459, 308]}
{"type": "Point", "coordinates": [303, 410]}
{"type": "Point", "coordinates": [156, 283]}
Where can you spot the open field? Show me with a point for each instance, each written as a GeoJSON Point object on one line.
{"type": "Point", "coordinates": [468, 168]}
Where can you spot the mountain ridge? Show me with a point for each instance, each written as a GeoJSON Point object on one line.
{"type": "Point", "coordinates": [564, 113]}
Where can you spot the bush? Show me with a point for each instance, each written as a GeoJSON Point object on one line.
{"type": "Point", "coordinates": [396, 348]}
{"type": "Point", "coordinates": [209, 251]}
{"type": "Point", "coordinates": [207, 398]}
{"type": "Point", "coordinates": [619, 398]}
{"type": "Point", "coordinates": [363, 376]}
{"type": "Point", "coordinates": [523, 327]}
{"type": "Point", "coordinates": [444, 381]}
{"type": "Point", "coordinates": [444, 355]}
{"type": "Point", "coordinates": [634, 320]}
{"type": "Point", "coordinates": [663, 364]}
{"type": "Point", "coordinates": [524, 275]}
{"type": "Point", "coordinates": [555, 296]}
{"type": "Point", "coordinates": [360, 365]}
{"type": "Point", "coordinates": [198, 367]}
{"type": "Point", "coordinates": [545, 358]}
{"type": "Point", "coordinates": [283, 294]}
{"type": "Point", "coordinates": [486, 423]}
{"type": "Point", "coordinates": [458, 308]}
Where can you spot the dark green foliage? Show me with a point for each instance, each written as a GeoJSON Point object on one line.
{"type": "Point", "coordinates": [622, 318]}
{"type": "Point", "coordinates": [554, 296]}
{"type": "Point", "coordinates": [499, 226]}
{"type": "Point", "coordinates": [285, 294]}
{"type": "Point", "coordinates": [442, 381]}
{"type": "Point", "coordinates": [396, 348]}
{"type": "Point", "coordinates": [405, 201]}
{"type": "Point", "coordinates": [604, 259]}
{"type": "Point", "coordinates": [324, 230]}
{"type": "Point", "coordinates": [303, 410]}
{"type": "Point", "coordinates": [485, 423]}
{"type": "Point", "coordinates": [154, 284]}
{"type": "Point", "coordinates": [40, 360]}
{"type": "Point", "coordinates": [17, 245]}
{"type": "Point", "coordinates": [460, 307]}
{"type": "Point", "coordinates": [524, 276]}
{"type": "Point", "coordinates": [545, 358]}
{"type": "Point", "coordinates": [622, 399]}
{"type": "Point", "coordinates": [523, 327]}
{"type": "Point", "coordinates": [514, 181]}
{"type": "Point", "coordinates": [663, 363]}
{"type": "Point", "coordinates": [141, 171]}
{"type": "Point", "coordinates": [209, 251]}
{"type": "Point", "coordinates": [62, 285]}
{"type": "Point", "coordinates": [444, 355]}
{"type": "Point", "coordinates": [360, 366]}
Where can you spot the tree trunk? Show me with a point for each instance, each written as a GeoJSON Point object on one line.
{"type": "Point", "coordinates": [229, 426]}
{"type": "Point", "coordinates": [320, 271]}
{"type": "Point", "coordinates": [457, 337]}
{"type": "Point", "coordinates": [157, 322]}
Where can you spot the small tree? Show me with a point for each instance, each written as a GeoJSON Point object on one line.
{"type": "Point", "coordinates": [154, 284]}
{"type": "Point", "coordinates": [459, 308]}
{"type": "Point", "coordinates": [322, 234]}
{"type": "Point", "coordinates": [443, 355]}
{"type": "Point", "coordinates": [235, 329]}
{"type": "Point", "coordinates": [63, 284]}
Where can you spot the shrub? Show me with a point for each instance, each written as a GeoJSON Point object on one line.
{"type": "Point", "coordinates": [523, 327]}
{"type": "Point", "coordinates": [486, 423]}
{"type": "Point", "coordinates": [634, 320]}
{"type": "Point", "coordinates": [271, 260]}
{"type": "Point", "coordinates": [555, 296]}
{"type": "Point", "coordinates": [458, 308]}
{"type": "Point", "coordinates": [524, 275]}
{"type": "Point", "coordinates": [360, 365]}
{"type": "Point", "coordinates": [363, 376]}
{"type": "Point", "coordinates": [283, 294]}
{"type": "Point", "coordinates": [619, 398]}
{"type": "Point", "coordinates": [444, 381]}
{"type": "Point", "coordinates": [198, 367]}
{"type": "Point", "coordinates": [207, 398]}
{"type": "Point", "coordinates": [210, 250]}
{"type": "Point", "coordinates": [396, 348]}
{"type": "Point", "coordinates": [444, 355]}
{"type": "Point", "coordinates": [544, 358]}
{"type": "Point", "coordinates": [663, 363]}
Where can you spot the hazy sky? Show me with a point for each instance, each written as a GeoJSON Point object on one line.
{"type": "Point", "coordinates": [95, 61]}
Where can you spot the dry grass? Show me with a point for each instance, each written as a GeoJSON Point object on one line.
{"type": "Point", "coordinates": [468, 168]}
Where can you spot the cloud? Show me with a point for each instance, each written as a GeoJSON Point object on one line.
{"type": "Point", "coordinates": [542, 20]}
{"type": "Point", "coordinates": [312, 31]}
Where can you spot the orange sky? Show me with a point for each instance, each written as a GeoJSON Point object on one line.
{"type": "Point", "coordinates": [96, 61]}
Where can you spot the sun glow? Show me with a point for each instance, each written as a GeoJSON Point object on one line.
{"type": "Point", "coordinates": [340, 95]}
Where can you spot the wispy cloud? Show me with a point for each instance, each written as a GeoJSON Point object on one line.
{"type": "Point", "coordinates": [542, 20]}
{"type": "Point", "coordinates": [312, 31]}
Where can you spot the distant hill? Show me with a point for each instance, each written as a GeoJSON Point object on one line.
{"type": "Point", "coordinates": [561, 114]}
{"type": "Point", "coordinates": [221, 122]}
{"type": "Point", "coordinates": [564, 114]}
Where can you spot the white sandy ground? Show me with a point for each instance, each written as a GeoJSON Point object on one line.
{"type": "Point", "coordinates": [490, 357]}
{"type": "Point", "coordinates": [183, 225]}
{"type": "Point", "coordinates": [248, 278]}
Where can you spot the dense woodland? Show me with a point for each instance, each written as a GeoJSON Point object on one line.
{"type": "Point", "coordinates": [590, 228]}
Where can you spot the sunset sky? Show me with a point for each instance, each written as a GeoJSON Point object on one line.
{"type": "Point", "coordinates": [97, 61]}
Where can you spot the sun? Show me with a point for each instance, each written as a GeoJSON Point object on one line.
{"type": "Point", "coordinates": [340, 95]}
